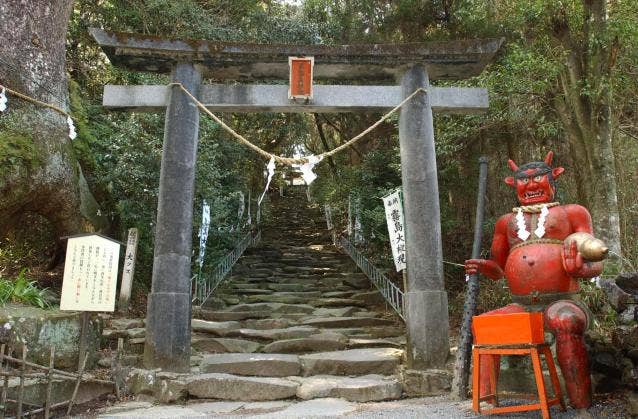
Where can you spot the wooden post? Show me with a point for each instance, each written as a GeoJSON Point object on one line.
{"type": "Point", "coordinates": [6, 379]}
{"type": "Point", "coordinates": [83, 337]}
{"type": "Point", "coordinates": [77, 385]}
{"type": "Point", "coordinates": [47, 402]}
{"type": "Point", "coordinates": [23, 367]}
{"type": "Point", "coordinates": [128, 270]}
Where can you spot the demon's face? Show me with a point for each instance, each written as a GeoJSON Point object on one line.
{"type": "Point", "coordinates": [534, 182]}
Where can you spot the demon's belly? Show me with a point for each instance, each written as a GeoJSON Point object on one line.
{"type": "Point", "coordinates": [537, 267]}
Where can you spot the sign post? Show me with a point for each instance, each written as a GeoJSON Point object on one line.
{"type": "Point", "coordinates": [90, 278]}
{"type": "Point", "coordinates": [128, 270]}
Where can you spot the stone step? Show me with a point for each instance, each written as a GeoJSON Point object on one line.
{"type": "Point", "coordinates": [204, 343]}
{"type": "Point", "coordinates": [244, 291]}
{"type": "Point", "coordinates": [274, 308]}
{"type": "Point", "coordinates": [223, 316]}
{"type": "Point", "coordinates": [372, 332]}
{"type": "Point", "coordinates": [291, 287]}
{"type": "Point", "coordinates": [336, 312]}
{"type": "Point", "coordinates": [314, 343]}
{"type": "Point", "coordinates": [214, 328]}
{"type": "Point", "coordinates": [357, 343]}
{"type": "Point", "coordinates": [383, 361]}
{"type": "Point", "coordinates": [294, 332]}
{"type": "Point", "coordinates": [367, 388]}
{"type": "Point", "coordinates": [369, 298]}
{"type": "Point", "coordinates": [261, 365]}
{"type": "Point", "coordinates": [336, 302]}
{"type": "Point", "coordinates": [270, 323]}
{"type": "Point", "coordinates": [341, 322]}
{"type": "Point", "coordinates": [276, 298]}
{"type": "Point", "coordinates": [233, 387]}
{"type": "Point", "coordinates": [339, 294]}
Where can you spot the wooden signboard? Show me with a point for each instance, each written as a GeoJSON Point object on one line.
{"type": "Point", "coordinates": [90, 273]}
{"type": "Point", "coordinates": [301, 69]}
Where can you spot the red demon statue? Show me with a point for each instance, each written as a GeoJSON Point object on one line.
{"type": "Point", "coordinates": [542, 248]}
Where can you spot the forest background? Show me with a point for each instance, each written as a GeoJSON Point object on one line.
{"type": "Point", "coordinates": [566, 79]}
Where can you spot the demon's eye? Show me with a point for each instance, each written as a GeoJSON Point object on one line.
{"type": "Point", "coordinates": [537, 178]}
{"type": "Point", "coordinates": [524, 180]}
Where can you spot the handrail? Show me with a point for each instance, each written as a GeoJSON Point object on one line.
{"type": "Point", "coordinates": [203, 285]}
{"type": "Point", "coordinates": [392, 294]}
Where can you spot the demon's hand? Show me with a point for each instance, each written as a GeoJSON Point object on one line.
{"type": "Point", "coordinates": [487, 267]}
{"type": "Point", "coordinates": [572, 259]}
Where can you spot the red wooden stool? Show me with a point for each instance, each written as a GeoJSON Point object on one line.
{"type": "Point", "coordinates": [513, 334]}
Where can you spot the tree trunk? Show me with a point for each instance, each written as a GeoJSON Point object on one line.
{"type": "Point", "coordinates": [38, 171]}
{"type": "Point", "coordinates": [586, 116]}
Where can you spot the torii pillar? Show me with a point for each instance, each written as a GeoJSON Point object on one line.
{"type": "Point", "coordinates": [168, 317]}
{"type": "Point", "coordinates": [169, 302]}
{"type": "Point", "coordinates": [426, 300]}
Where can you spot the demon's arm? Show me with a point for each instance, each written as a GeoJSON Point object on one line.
{"type": "Point", "coordinates": [493, 268]}
{"type": "Point", "coordinates": [573, 261]}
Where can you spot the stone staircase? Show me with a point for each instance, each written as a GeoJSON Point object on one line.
{"type": "Point", "coordinates": [295, 319]}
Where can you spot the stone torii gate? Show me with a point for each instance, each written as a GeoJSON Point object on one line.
{"type": "Point", "coordinates": [169, 304]}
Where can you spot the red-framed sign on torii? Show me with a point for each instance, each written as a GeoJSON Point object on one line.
{"type": "Point", "coordinates": [188, 61]}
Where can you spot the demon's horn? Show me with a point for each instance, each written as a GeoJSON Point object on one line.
{"type": "Point", "coordinates": [512, 165]}
{"type": "Point", "coordinates": [549, 157]}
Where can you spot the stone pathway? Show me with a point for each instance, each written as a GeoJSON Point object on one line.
{"type": "Point", "coordinates": [295, 320]}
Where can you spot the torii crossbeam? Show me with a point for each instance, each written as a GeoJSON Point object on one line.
{"type": "Point", "coordinates": [169, 310]}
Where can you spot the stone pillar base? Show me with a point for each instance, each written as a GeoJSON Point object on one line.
{"type": "Point", "coordinates": [427, 326]}
{"type": "Point", "coordinates": [433, 382]}
{"type": "Point", "coordinates": [167, 347]}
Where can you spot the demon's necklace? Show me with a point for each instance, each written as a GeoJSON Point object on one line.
{"type": "Point", "coordinates": [522, 232]}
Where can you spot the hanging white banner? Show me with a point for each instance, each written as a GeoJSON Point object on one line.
{"type": "Point", "coordinates": [240, 210]}
{"type": "Point", "coordinates": [307, 169]}
{"type": "Point", "coordinates": [203, 233]}
{"type": "Point", "coordinates": [358, 228]}
{"type": "Point", "coordinates": [350, 223]}
{"type": "Point", "coordinates": [249, 221]}
{"type": "Point", "coordinates": [328, 212]}
{"type": "Point", "coordinates": [396, 227]}
{"type": "Point", "coordinates": [270, 172]}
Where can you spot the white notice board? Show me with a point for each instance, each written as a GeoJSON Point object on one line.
{"type": "Point", "coordinates": [90, 274]}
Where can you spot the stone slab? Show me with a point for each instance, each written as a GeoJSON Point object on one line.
{"type": "Point", "coordinates": [223, 345]}
{"type": "Point", "coordinates": [224, 316]}
{"type": "Point", "coordinates": [314, 343]}
{"type": "Point", "coordinates": [352, 362]}
{"type": "Point", "coordinates": [347, 322]}
{"type": "Point", "coordinates": [215, 328]}
{"type": "Point", "coordinates": [328, 407]}
{"type": "Point", "coordinates": [294, 332]}
{"type": "Point", "coordinates": [356, 389]}
{"type": "Point", "coordinates": [232, 387]}
{"type": "Point", "coordinates": [274, 308]}
{"type": "Point", "coordinates": [262, 365]}
{"type": "Point", "coordinates": [431, 382]}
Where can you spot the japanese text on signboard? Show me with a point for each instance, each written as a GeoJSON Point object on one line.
{"type": "Point", "coordinates": [90, 274]}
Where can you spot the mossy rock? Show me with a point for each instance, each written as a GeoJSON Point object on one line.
{"type": "Point", "coordinates": [40, 329]}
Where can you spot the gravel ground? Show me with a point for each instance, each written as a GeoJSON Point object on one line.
{"type": "Point", "coordinates": [426, 407]}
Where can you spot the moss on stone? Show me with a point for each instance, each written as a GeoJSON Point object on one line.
{"type": "Point", "coordinates": [17, 149]}
{"type": "Point", "coordinates": [82, 144]}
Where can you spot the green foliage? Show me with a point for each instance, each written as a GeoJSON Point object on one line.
{"type": "Point", "coordinates": [22, 290]}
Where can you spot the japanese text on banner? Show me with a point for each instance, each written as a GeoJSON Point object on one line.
{"type": "Point", "coordinates": [396, 228]}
